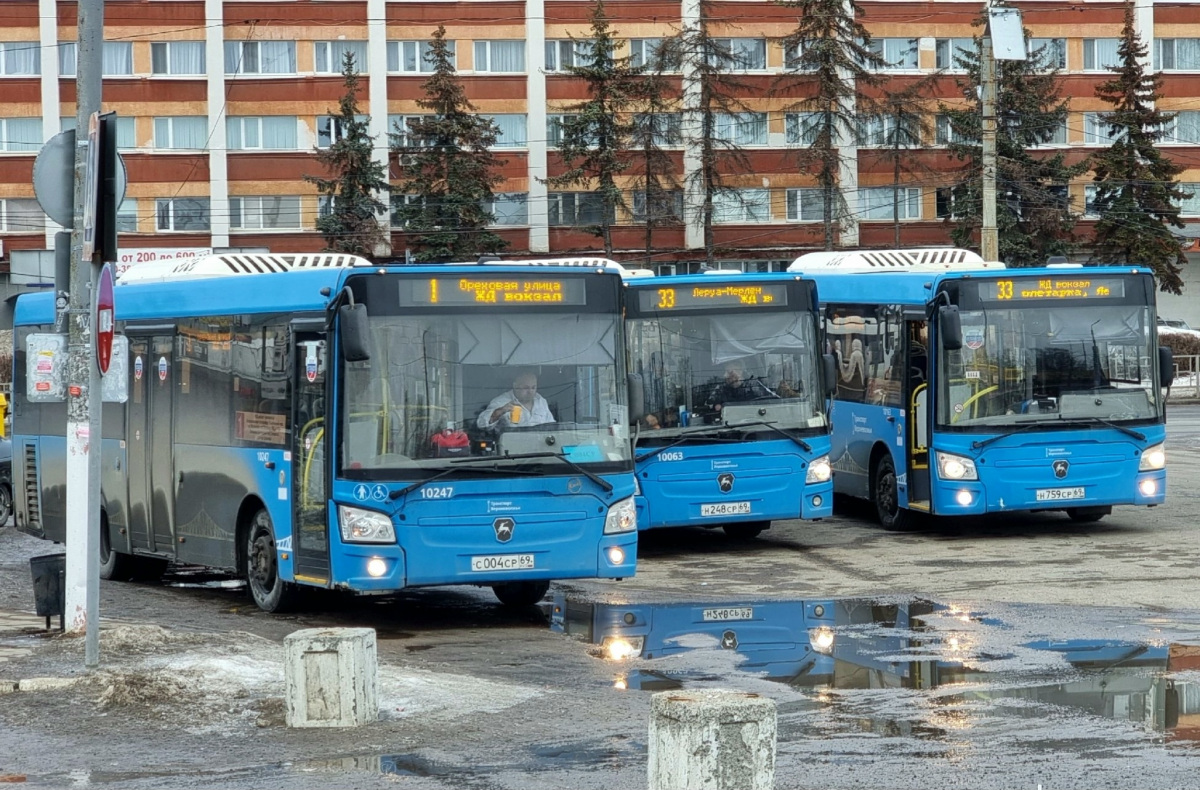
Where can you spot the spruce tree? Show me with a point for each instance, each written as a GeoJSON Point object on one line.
{"type": "Point", "coordinates": [448, 173]}
{"type": "Point", "coordinates": [1137, 196]}
{"type": "Point", "coordinates": [1033, 217]}
{"type": "Point", "coordinates": [657, 176]}
{"type": "Point", "coordinates": [829, 54]}
{"type": "Point", "coordinates": [596, 133]}
{"type": "Point", "coordinates": [352, 223]}
{"type": "Point", "coordinates": [905, 124]}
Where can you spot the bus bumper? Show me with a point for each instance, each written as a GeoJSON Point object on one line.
{"type": "Point", "coordinates": [975, 498]}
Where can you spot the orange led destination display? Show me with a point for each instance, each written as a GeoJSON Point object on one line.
{"type": "Point", "coordinates": [693, 297]}
{"type": "Point", "coordinates": [1049, 289]}
{"type": "Point", "coordinates": [496, 290]}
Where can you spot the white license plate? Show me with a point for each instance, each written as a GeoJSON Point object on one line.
{"type": "Point", "coordinates": [725, 509]}
{"type": "Point", "coordinates": [1054, 494]}
{"type": "Point", "coordinates": [502, 562]}
{"type": "Point", "coordinates": [728, 613]}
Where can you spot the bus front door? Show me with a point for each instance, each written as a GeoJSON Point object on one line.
{"type": "Point", "coordinates": [917, 398]}
{"type": "Point", "coordinates": [151, 467]}
{"type": "Point", "coordinates": [311, 539]}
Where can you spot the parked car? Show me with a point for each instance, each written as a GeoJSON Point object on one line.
{"type": "Point", "coordinates": [5, 481]}
{"type": "Point", "coordinates": [1173, 323]}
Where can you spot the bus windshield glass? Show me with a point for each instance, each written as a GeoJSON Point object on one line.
{"type": "Point", "coordinates": [727, 368]}
{"type": "Point", "coordinates": [461, 381]}
{"type": "Point", "coordinates": [1030, 361]}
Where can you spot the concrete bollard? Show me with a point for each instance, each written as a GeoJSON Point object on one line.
{"type": "Point", "coordinates": [711, 740]}
{"type": "Point", "coordinates": [330, 677]}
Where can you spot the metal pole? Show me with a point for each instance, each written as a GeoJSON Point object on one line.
{"type": "Point", "coordinates": [989, 241]}
{"type": "Point", "coordinates": [82, 601]}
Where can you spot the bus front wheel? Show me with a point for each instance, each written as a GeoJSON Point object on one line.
{"type": "Point", "coordinates": [518, 595]}
{"type": "Point", "coordinates": [887, 496]}
{"type": "Point", "coordinates": [1087, 515]}
{"type": "Point", "coordinates": [271, 593]}
{"type": "Point", "coordinates": [746, 531]}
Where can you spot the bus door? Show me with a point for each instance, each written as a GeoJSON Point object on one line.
{"type": "Point", "coordinates": [309, 456]}
{"type": "Point", "coordinates": [150, 441]}
{"type": "Point", "coordinates": [917, 394]}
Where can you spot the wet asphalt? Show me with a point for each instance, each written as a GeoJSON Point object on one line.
{"type": "Point", "coordinates": [1016, 651]}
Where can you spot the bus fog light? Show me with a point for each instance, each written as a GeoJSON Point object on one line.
{"type": "Point", "coordinates": [817, 501]}
{"type": "Point", "coordinates": [616, 555]}
{"type": "Point", "coordinates": [1148, 487]}
{"type": "Point", "coordinates": [963, 497]}
{"type": "Point", "coordinates": [376, 567]}
{"type": "Point", "coordinates": [821, 639]}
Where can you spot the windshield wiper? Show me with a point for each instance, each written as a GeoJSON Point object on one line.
{"type": "Point", "coordinates": [1127, 431]}
{"type": "Point", "coordinates": [706, 431]}
{"type": "Point", "coordinates": [590, 475]}
{"type": "Point", "coordinates": [1058, 422]}
{"type": "Point", "coordinates": [774, 426]}
{"type": "Point", "coordinates": [976, 445]}
{"type": "Point", "coordinates": [443, 472]}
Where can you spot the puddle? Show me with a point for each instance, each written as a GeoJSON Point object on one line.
{"type": "Point", "coordinates": [968, 663]}
{"type": "Point", "coordinates": [195, 577]}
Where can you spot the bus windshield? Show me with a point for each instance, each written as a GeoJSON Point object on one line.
{"type": "Point", "coordinates": [727, 368]}
{"type": "Point", "coordinates": [445, 390]}
{"type": "Point", "coordinates": [1029, 364]}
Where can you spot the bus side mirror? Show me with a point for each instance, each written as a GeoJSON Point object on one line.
{"type": "Point", "coordinates": [831, 373]}
{"type": "Point", "coordinates": [950, 327]}
{"type": "Point", "coordinates": [637, 397]}
{"type": "Point", "coordinates": [1166, 366]}
{"type": "Point", "coordinates": [355, 332]}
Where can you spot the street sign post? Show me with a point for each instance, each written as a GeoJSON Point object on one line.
{"type": "Point", "coordinates": [104, 318]}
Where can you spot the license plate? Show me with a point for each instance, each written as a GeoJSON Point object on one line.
{"type": "Point", "coordinates": [728, 613]}
{"type": "Point", "coordinates": [1054, 494]}
{"type": "Point", "coordinates": [502, 562]}
{"type": "Point", "coordinates": [725, 509]}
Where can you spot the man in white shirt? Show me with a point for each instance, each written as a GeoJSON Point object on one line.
{"type": "Point", "coordinates": [533, 408]}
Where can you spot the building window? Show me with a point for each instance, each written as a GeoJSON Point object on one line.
{"type": "Point", "coordinates": [950, 53]}
{"type": "Point", "coordinates": [946, 133]}
{"type": "Point", "coordinates": [330, 128]}
{"type": "Point", "coordinates": [878, 202]}
{"type": "Point", "coordinates": [508, 208]}
{"type": "Point", "coordinates": [116, 58]}
{"type": "Point", "coordinates": [20, 58]}
{"type": "Point", "coordinates": [1052, 51]}
{"type": "Point", "coordinates": [665, 128]}
{"type": "Point", "coordinates": [126, 130]}
{"type": "Point", "coordinates": [742, 205]}
{"type": "Point", "coordinates": [328, 56]}
{"type": "Point", "coordinates": [500, 57]}
{"type": "Point", "coordinates": [177, 57]}
{"type": "Point", "coordinates": [666, 206]}
{"type": "Point", "coordinates": [260, 57]}
{"type": "Point", "coordinates": [264, 213]}
{"type": "Point", "coordinates": [21, 215]}
{"type": "Point", "coordinates": [184, 131]}
{"type": "Point", "coordinates": [806, 205]}
{"type": "Point", "coordinates": [1058, 135]}
{"type": "Point", "coordinates": [650, 53]}
{"type": "Point", "coordinates": [740, 54]}
{"type": "Point", "coordinates": [1190, 206]}
{"type": "Point", "coordinates": [743, 128]}
{"type": "Point", "coordinates": [802, 128]}
{"type": "Point", "coordinates": [576, 209]}
{"type": "Point", "coordinates": [881, 131]}
{"type": "Point", "coordinates": [409, 57]}
{"type": "Point", "coordinates": [1100, 54]}
{"type": "Point", "coordinates": [252, 132]}
{"type": "Point", "coordinates": [182, 214]}
{"type": "Point", "coordinates": [1097, 131]}
{"type": "Point", "coordinates": [1183, 128]}
{"type": "Point", "coordinates": [899, 54]}
{"type": "Point", "coordinates": [20, 134]}
{"type": "Point", "coordinates": [399, 131]}
{"type": "Point", "coordinates": [512, 130]}
{"type": "Point", "coordinates": [1177, 54]}
{"type": "Point", "coordinates": [127, 216]}
{"type": "Point", "coordinates": [945, 204]}
{"type": "Point", "coordinates": [563, 54]}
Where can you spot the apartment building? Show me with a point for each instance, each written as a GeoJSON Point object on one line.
{"type": "Point", "coordinates": [222, 103]}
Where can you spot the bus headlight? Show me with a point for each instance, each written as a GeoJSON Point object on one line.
{"type": "Point", "coordinates": [821, 640]}
{"type": "Point", "coordinates": [622, 517]}
{"type": "Point", "coordinates": [1153, 458]}
{"type": "Point", "coordinates": [619, 648]}
{"type": "Point", "coordinates": [819, 471]}
{"type": "Point", "coordinates": [955, 467]}
{"type": "Point", "coordinates": [365, 526]}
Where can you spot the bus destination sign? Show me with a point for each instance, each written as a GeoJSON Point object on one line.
{"type": "Point", "coordinates": [693, 297]}
{"type": "Point", "coordinates": [495, 290]}
{"type": "Point", "coordinates": [1049, 289]}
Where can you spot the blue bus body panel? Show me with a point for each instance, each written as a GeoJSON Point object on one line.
{"type": "Point", "coordinates": [861, 430]}
{"type": "Point", "coordinates": [769, 474]}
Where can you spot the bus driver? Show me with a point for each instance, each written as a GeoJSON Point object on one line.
{"type": "Point", "coordinates": [519, 407]}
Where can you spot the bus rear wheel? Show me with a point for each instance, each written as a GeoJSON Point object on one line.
{"type": "Point", "coordinates": [518, 595]}
{"type": "Point", "coordinates": [887, 496]}
{"type": "Point", "coordinates": [271, 593]}
{"type": "Point", "coordinates": [746, 531]}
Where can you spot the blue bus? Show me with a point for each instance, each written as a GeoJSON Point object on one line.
{"type": "Point", "coordinates": [966, 388]}
{"type": "Point", "coordinates": [733, 430]}
{"type": "Point", "coordinates": [321, 421]}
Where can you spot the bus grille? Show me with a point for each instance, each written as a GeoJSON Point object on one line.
{"type": "Point", "coordinates": [33, 496]}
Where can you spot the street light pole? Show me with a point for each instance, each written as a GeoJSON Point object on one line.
{"type": "Point", "coordinates": [82, 593]}
{"type": "Point", "coordinates": [989, 239]}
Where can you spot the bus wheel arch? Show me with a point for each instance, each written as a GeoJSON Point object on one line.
{"type": "Point", "coordinates": [885, 490]}
{"type": "Point", "coordinates": [113, 565]}
{"type": "Point", "coordinates": [260, 560]}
